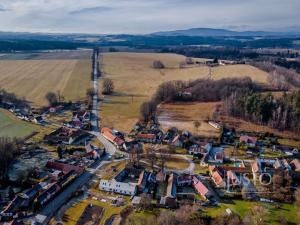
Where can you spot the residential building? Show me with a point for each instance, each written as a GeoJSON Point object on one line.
{"type": "Point", "coordinates": [118, 187]}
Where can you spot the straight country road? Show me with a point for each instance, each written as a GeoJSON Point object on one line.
{"type": "Point", "coordinates": [84, 178]}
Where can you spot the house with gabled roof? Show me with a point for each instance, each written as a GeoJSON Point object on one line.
{"type": "Point", "coordinates": [249, 141]}
{"type": "Point", "coordinates": [201, 188]}
{"type": "Point", "coordinates": [170, 199]}
{"type": "Point", "coordinates": [217, 176]}
{"type": "Point", "coordinates": [109, 135]}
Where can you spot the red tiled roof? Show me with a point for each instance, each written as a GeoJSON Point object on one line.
{"type": "Point", "coordinates": [146, 136]}
{"type": "Point", "coordinates": [107, 133]}
{"type": "Point", "coordinates": [234, 169]}
{"type": "Point", "coordinates": [66, 168]}
{"type": "Point", "coordinates": [217, 177]}
{"type": "Point", "coordinates": [248, 139]}
{"type": "Point", "coordinates": [200, 187]}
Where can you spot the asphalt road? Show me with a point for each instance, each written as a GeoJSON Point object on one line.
{"type": "Point", "coordinates": [50, 209]}
{"type": "Point", "coordinates": [95, 107]}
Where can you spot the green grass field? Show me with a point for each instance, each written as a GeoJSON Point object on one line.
{"type": "Point", "coordinates": [288, 211]}
{"type": "Point", "coordinates": [10, 126]}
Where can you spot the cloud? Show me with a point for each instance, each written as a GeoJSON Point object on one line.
{"type": "Point", "coordinates": [97, 9]}
{"type": "Point", "coordinates": [144, 16]}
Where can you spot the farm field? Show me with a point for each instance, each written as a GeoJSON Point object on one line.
{"type": "Point", "coordinates": [136, 81]}
{"type": "Point", "coordinates": [10, 126]}
{"type": "Point", "coordinates": [32, 79]}
{"type": "Point", "coordinates": [48, 55]}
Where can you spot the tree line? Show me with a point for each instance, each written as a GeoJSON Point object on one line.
{"type": "Point", "coordinates": [282, 113]}
{"type": "Point", "coordinates": [8, 150]}
{"type": "Point", "coordinates": [10, 98]}
{"type": "Point", "coordinates": [197, 90]}
{"type": "Point", "coordinates": [279, 76]}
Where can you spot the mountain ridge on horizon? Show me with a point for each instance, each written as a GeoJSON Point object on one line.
{"type": "Point", "coordinates": [214, 32]}
{"type": "Point", "coordinates": [205, 32]}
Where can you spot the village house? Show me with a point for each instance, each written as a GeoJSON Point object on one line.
{"type": "Point", "coordinates": [201, 189]}
{"type": "Point", "coordinates": [178, 141]}
{"type": "Point", "coordinates": [126, 182]}
{"type": "Point", "coordinates": [118, 187]}
{"type": "Point", "coordinates": [217, 176]}
{"type": "Point", "coordinates": [170, 135]}
{"type": "Point", "coordinates": [146, 138]}
{"type": "Point", "coordinates": [249, 141]}
{"type": "Point", "coordinates": [200, 148]}
{"type": "Point", "coordinates": [142, 182]}
{"type": "Point", "coordinates": [231, 177]}
{"type": "Point", "coordinates": [82, 115]}
{"type": "Point", "coordinates": [56, 109]}
{"type": "Point", "coordinates": [170, 199]}
{"type": "Point", "coordinates": [262, 167]}
{"type": "Point", "coordinates": [215, 155]}
{"type": "Point", "coordinates": [184, 180]}
{"type": "Point", "coordinates": [67, 136]}
{"type": "Point", "coordinates": [109, 135]}
{"type": "Point", "coordinates": [64, 167]}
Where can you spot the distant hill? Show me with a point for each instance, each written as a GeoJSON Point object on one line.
{"type": "Point", "coordinates": [210, 32]}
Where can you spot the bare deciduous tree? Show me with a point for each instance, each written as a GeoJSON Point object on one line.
{"type": "Point", "coordinates": [51, 98]}
{"type": "Point", "coordinates": [148, 110]}
{"type": "Point", "coordinates": [157, 64]}
{"type": "Point", "coordinates": [108, 86]}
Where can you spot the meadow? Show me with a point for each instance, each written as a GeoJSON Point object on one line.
{"type": "Point", "coordinates": [136, 81]}
{"type": "Point", "coordinates": [11, 127]}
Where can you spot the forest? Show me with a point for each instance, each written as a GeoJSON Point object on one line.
{"type": "Point", "coordinates": [282, 113]}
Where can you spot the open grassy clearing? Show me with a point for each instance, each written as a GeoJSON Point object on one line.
{"type": "Point", "coordinates": [32, 79]}
{"type": "Point", "coordinates": [73, 214]}
{"type": "Point", "coordinates": [288, 211]}
{"type": "Point", "coordinates": [183, 116]}
{"type": "Point", "coordinates": [171, 163]}
{"type": "Point", "coordinates": [10, 126]}
{"type": "Point", "coordinates": [233, 71]}
{"type": "Point", "coordinates": [136, 80]}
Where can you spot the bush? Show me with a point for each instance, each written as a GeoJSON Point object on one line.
{"type": "Point", "coordinates": [157, 64]}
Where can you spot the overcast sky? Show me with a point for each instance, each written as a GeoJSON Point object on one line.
{"type": "Point", "coordinates": [146, 16]}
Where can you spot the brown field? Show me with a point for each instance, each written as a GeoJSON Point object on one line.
{"type": "Point", "coordinates": [32, 79]}
{"type": "Point", "coordinates": [239, 71]}
{"type": "Point", "coordinates": [135, 81]}
{"type": "Point", "coordinates": [183, 117]}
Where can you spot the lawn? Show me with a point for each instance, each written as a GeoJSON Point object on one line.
{"type": "Point", "coordinates": [176, 163]}
{"type": "Point", "coordinates": [73, 214]}
{"type": "Point", "coordinates": [32, 79]}
{"type": "Point", "coordinates": [136, 80]}
{"type": "Point", "coordinates": [289, 211]}
{"type": "Point", "coordinates": [11, 126]}
{"type": "Point", "coordinates": [172, 163]}
{"type": "Point", "coordinates": [108, 171]}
